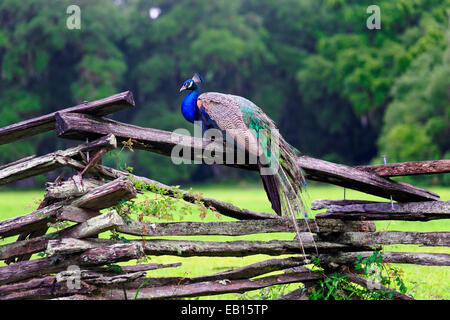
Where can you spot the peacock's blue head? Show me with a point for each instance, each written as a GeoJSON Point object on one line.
{"type": "Point", "coordinates": [192, 84]}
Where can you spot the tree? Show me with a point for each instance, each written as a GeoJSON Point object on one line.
{"type": "Point", "coordinates": [46, 66]}
{"type": "Point", "coordinates": [336, 89]}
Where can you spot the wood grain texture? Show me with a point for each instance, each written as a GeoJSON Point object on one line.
{"type": "Point", "coordinates": [410, 168]}
{"type": "Point", "coordinates": [238, 228]}
{"type": "Point", "coordinates": [367, 210]}
{"type": "Point", "coordinates": [212, 287]}
{"type": "Point", "coordinates": [98, 198]}
{"type": "Point", "coordinates": [432, 239]}
{"type": "Point", "coordinates": [106, 195]}
{"type": "Point", "coordinates": [203, 288]}
{"type": "Point", "coordinates": [45, 123]}
{"type": "Point", "coordinates": [68, 188]}
{"type": "Point", "coordinates": [419, 258]}
{"type": "Point", "coordinates": [104, 251]}
{"type": "Point", "coordinates": [355, 179]}
{"type": "Point", "coordinates": [29, 167]}
{"type": "Point", "coordinates": [89, 228]}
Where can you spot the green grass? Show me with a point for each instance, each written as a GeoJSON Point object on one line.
{"type": "Point", "coordinates": [423, 282]}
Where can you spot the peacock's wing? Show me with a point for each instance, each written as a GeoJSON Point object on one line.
{"type": "Point", "coordinates": [223, 112]}
{"type": "Point", "coordinates": [243, 119]}
{"type": "Point", "coordinates": [260, 124]}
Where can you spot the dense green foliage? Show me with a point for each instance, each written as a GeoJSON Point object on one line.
{"type": "Point", "coordinates": [336, 89]}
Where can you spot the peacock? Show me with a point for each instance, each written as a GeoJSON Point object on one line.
{"type": "Point", "coordinates": [252, 130]}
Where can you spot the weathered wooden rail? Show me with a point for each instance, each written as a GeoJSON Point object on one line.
{"type": "Point", "coordinates": [45, 123]}
{"type": "Point", "coordinates": [75, 263]}
{"type": "Point", "coordinates": [409, 168]}
{"type": "Point", "coordinates": [78, 126]}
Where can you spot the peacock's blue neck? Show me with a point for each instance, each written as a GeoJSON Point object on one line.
{"type": "Point", "coordinates": [189, 107]}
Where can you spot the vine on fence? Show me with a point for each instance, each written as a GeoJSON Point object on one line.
{"type": "Point", "coordinates": [339, 287]}
{"type": "Point", "coordinates": [164, 205]}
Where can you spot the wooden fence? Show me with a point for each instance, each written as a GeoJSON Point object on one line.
{"type": "Point", "coordinates": [75, 263]}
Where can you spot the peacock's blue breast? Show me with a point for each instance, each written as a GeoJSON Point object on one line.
{"type": "Point", "coordinates": [189, 107]}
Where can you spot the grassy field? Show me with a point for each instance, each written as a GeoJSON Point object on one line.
{"type": "Point", "coordinates": [423, 282]}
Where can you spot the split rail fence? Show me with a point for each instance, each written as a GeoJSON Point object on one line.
{"type": "Point", "coordinates": [343, 232]}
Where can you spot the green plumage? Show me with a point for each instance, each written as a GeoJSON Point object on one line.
{"type": "Point", "coordinates": [255, 123]}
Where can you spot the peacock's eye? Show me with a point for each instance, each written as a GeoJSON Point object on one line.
{"type": "Point", "coordinates": [189, 84]}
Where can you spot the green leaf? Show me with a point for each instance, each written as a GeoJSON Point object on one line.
{"type": "Point", "coordinates": [114, 268]}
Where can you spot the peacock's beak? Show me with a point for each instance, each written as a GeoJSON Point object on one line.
{"type": "Point", "coordinates": [182, 88]}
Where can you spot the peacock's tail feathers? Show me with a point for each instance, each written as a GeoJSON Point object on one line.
{"type": "Point", "coordinates": [285, 183]}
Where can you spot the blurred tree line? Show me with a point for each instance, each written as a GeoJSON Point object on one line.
{"type": "Point", "coordinates": [336, 89]}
